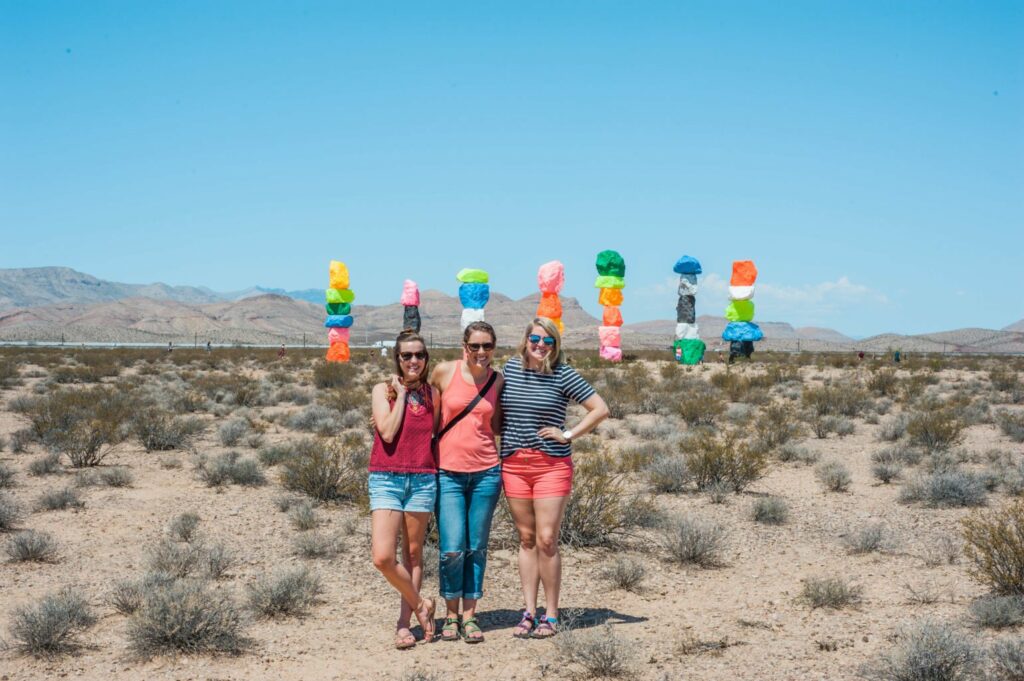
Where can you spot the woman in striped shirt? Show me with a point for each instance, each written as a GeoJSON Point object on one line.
{"type": "Point", "coordinates": [536, 467]}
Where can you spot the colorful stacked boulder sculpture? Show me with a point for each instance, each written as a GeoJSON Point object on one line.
{"type": "Point", "coordinates": [339, 313]}
{"type": "Point", "coordinates": [550, 279]}
{"type": "Point", "coordinates": [611, 279]}
{"type": "Point", "coordinates": [687, 347]}
{"type": "Point", "coordinates": [474, 292]}
{"type": "Point", "coordinates": [741, 331]}
{"type": "Point", "coordinates": [411, 300]}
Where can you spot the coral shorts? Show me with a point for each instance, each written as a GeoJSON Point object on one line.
{"type": "Point", "coordinates": [532, 474]}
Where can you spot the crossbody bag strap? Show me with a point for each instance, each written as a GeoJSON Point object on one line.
{"type": "Point", "coordinates": [469, 407]}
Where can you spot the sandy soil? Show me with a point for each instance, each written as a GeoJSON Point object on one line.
{"type": "Point", "coordinates": [750, 602]}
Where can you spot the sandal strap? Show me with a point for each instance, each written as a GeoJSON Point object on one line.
{"type": "Point", "coordinates": [451, 620]}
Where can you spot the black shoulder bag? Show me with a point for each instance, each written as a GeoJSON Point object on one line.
{"type": "Point", "coordinates": [469, 407]}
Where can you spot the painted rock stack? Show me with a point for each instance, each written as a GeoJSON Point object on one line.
{"type": "Point", "coordinates": [339, 313]}
{"type": "Point", "coordinates": [411, 300]}
{"type": "Point", "coordinates": [740, 312]}
{"type": "Point", "coordinates": [474, 292]}
{"type": "Point", "coordinates": [550, 279]}
{"type": "Point", "coordinates": [611, 279]}
{"type": "Point", "coordinates": [688, 347]}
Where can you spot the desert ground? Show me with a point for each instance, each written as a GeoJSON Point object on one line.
{"type": "Point", "coordinates": [200, 515]}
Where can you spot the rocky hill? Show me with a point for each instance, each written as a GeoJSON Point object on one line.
{"type": "Point", "coordinates": [33, 286]}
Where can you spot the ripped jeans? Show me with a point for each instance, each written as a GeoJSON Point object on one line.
{"type": "Point", "coordinates": [465, 506]}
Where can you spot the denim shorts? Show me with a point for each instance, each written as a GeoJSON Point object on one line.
{"type": "Point", "coordinates": [412, 492]}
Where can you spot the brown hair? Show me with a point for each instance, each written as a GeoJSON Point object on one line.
{"type": "Point", "coordinates": [479, 326]}
{"type": "Point", "coordinates": [410, 336]}
{"type": "Point", "coordinates": [555, 357]}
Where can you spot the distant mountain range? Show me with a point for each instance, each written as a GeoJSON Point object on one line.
{"type": "Point", "coordinates": [55, 303]}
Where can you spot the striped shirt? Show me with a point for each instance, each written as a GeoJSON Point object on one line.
{"type": "Point", "coordinates": [532, 400]}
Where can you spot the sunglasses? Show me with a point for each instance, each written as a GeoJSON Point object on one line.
{"type": "Point", "coordinates": [477, 347]}
{"type": "Point", "coordinates": [534, 338]}
{"type": "Point", "coordinates": [406, 356]}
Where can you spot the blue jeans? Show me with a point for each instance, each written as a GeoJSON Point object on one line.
{"type": "Point", "coordinates": [465, 506]}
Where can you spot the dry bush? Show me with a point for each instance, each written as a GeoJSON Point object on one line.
{"type": "Point", "coordinates": [159, 431]}
{"type": "Point", "coordinates": [59, 499]}
{"type": "Point", "coordinates": [84, 424]}
{"type": "Point", "coordinates": [869, 539]}
{"type": "Point", "coordinates": [690, 540]}
{"type": "Point", "coordinates": [184, 527]}
{"type": "Point", "coordinates": [601, 511]}
{"type": "Point", "coordinates": [318, 419]}
{"type": "Point", "coordinates": [638, 457]}
{"type": "Point", "coordinates": [272, 455]}
{"type": "Point", "coordinates": [303, 517]}
{"type": "Point", "coordinates": [725, 459]}
{"type": "Point", "coordinates": [945, 489]}
{"type": "Point", "coordinates": [186, 616]}
{"type": "Point", "coordinates": [668, 475]}
{"type": "Point", "coordinates": [229, 468]}
{"type": "Point", "coordinates": [33, 546]}
{"type": "Point", "coordinates": [770, 511]}
{"type": "Point", "coordinates": [48, 464]}
{"type": "Point", "coordinates": [997, 612]}
{"type": "Point", "coordinates": [226, 388]}
{"type": "Point", "coordinates": [792, 452]}
{"type": "Point", "coordinates": [841, 399]}
{"type": "Point", "coordinates": [928, 651]}
{"type": "Point", "coordinates": [1007, 660]}
{"type": "Point", "coordinates": [327, 470]}
{"type": "Point", "coordinates": [1003, 379]}
{"type": "Point", "coordinates": [288, 593]}
{"type": "Point", "coordinates": [834, 476]}
{"type": "Point", "coordinates": [316, 545]}
{"type": "Point", "coordinates": [598, 654]}
{"type": "Point", "coordinates": [886, 472]}
{"type": "Point", "coordinates": [700, 407]}
{"type": "Point", "coordinates": [995, 547]}
{"type": "Point", "coordinates": [7, 475]}
{"type": "Point", "coordinates": [1012, 424]}
{"type": "Point", "coordinates": [935, 429]}
{"type": "Point", "coordinates": [625, 573]}
{"type": "Point", "coordinates": [884, 382]}
{"type": "Point", "coordinates": [10, 512]}
{"type": "Point", "coordinates": [334, 374]}
{"type": "Point", "coordinates": [776, 425]}
{"type": "Point", "coordinates": [118, 476]}
{"type": "Point", "coordinates": [829, 592]}
{"type": "Point", "coordinates": [734, 385]}
{"type": "Point", "coordinates": [52, 626]}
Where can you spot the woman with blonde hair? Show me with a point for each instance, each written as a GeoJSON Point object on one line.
{"type": "Point", "coordinates": [403, 479]}
{"type": "Point", "coordinates": [536, 469]}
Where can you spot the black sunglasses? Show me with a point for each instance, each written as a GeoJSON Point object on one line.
{"type": "Point", "coordinates": [406, 356]}
{"type": "Point", "coordinates": [534, 338]}
{"type": "Point", "coordinates": [477, 347]}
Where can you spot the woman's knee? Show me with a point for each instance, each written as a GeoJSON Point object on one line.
{"type": "Point", "coordinates": [384, 561]}
{"type": "Point", "coordinates": [528, 540]}
{"type": "Point", "coordinates": [547, 542]}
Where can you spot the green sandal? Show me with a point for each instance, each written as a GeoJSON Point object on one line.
{"type": "Point", "coordinates": [452, 629]}
{"type": "Point", "coordinates": [471, 626]}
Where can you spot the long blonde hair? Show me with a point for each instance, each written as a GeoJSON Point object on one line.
{"type": "Point", "coordinates": [553, 358]}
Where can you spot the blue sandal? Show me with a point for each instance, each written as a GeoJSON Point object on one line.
{"type": "Point", "coordinates": [547, 624]}
{"type": "Point", "coordinates": [525, 627]}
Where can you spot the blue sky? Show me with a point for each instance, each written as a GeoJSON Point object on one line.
{"type": "Point", "coordinates": [868, 156]}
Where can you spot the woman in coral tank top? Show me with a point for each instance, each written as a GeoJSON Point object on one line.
{"type": "Point", "coordinates": [403, 485]}
{"type": "Point", "coordinates": [469, 477]}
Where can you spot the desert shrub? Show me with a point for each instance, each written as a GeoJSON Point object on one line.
{"type": "Point", "coordinates": [777, 425]}
{"type": "Point", "coordinates": [829, 592]}
{"type": "Point", "coordinates": [84, 424]}
{"type": "Point", "coordinates": [994, 543]}
{"type": "Point", "coordinates": [600, 510]}
{"type": "Point", "coordinates": [20, 440]}
{"type": "Point", "coordinates": [6, 476]}
{"type": "Point", "coordinates": [10, 512]}
{"type": "Point", "coordinates": [834, 476]}
{"type": "Point", "coordinates": [770, 511]}
{"type": "Point", "coordinates": [116, 477]}
{"type": "Point", "coordinates": [1012, 424]}
{"type": "Point", "coordinates": [700, 407]}
{"type": "Point", "coordinates": [230, 468]}
{"type": "Point", "coordinates": [231, 432]}
{"type": "Point", "coordinates": [624, 573]}
{"type": "Point", "coordinates": [836, 400]}
{"type": "Point", "coordinates": [668, 475]}
{"type": "Point", "coordinates": [690, 540]}
{"type": "Point", "coordinates": [159, 431]}
{"type": "Point", "coordinates": [638, 457]}
{"type": "Point", "coordinates": [179, 559]}
{"type": "Point", "coordinates": [327, 470]}
{"type": "Point", "coordinates": [725, 459]}
{"type": "Point", "coordinates": [288, 593]}
{"type": "Point", "coordinates": [271, 455]}
{"type": "Point", "coordinates": [734, 385]}
{"type": "Point", "coordinates": [318, 419]}
{"type": "Point", "coordinates": [33, 546]}
{"type": "Point", "coordinates": [897, 454]}
{"type": "Point", "coordinates": [317, 545]}
{"type": "Point", "coordinates": [334, 375]}
{"type": "Point", "coordinates": [596, 654]}
{"type": "Point", "coordinates": [884, 382]}
{"type": "Point", "coordinates": [886, 472]}
{"type": "Point", "coordinates": [882, 406]}
{"type": "Point", "coordinates": [189, 617]}
{"type": "Point", "coordinates": [843, 427]}
{"type": "Point", "coordinates": [945, 489]}
{"type": "Point", "coordinates": [1007, 660]}
{"type": "Point", "coordinates": [792, 452]}
{"type": "Point", "coordinates": [928, 651]}
{"type": "Point", "coordinates": [125, 597]}
{"type": "Point", "coordinates": [48, 464]}
{"type": "Point", "coordinates": [869, 539]}
{"type": "Point", "coordinates": [303, 517]}
{"type": "Point", "coordinates": [997, 612]}
{"type": "Point", "coordinates": [53, 625]}
{"type": "Point", "coordinates": [1003, 379]}
{"type": "Point", "coordinates": [935, 428]}
{"type": "Point", "coordinates": [59, 499]}
{"type": "Point", "coordinates": [184, 527]}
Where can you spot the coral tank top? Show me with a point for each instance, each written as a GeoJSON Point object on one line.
{"type": "Point", "coordinates": [469, 446]}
